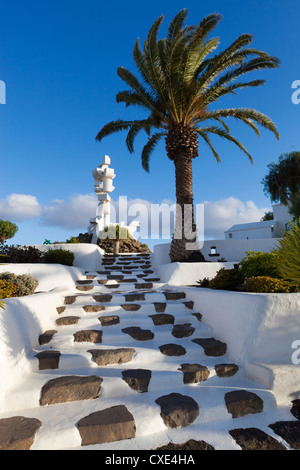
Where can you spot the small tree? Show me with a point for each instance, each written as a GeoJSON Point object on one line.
{"type": "Point", "coordinates": [268, 216]}
{"type": "Point", "coordinates": [115, 233]}
{"type": "Point", "coordinates": [7, 230]}
{"type": "Point", "coordinates": [282, 183]}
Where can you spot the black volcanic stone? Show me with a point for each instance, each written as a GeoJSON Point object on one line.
{"type": "Point", "coordinates": [46, 337]}
{"type": "Point", "coordinates": [226, 370]}
{"type": "Point", "coordinates": [295, 410]}
{"type": "Point", "coordinates": [137, 379]}
{"type": "Point", "coordinates": [48, 359]}
{"type": "Point", "coordinates": [182, 330]}
{"type": "Point", "coordinates": [172, 349]}
{"type": "Point", "coordinates": [138, 334]}
{"type": "Point", "coordinates": [188, 445]}
{"type": "Point", "coordinates": [162, 319]}
{"type": "Point", "coordinates": [18, 432]}
{"type": "Point", "coordinates": [255, 439]}
{"type": "Point", "coordinates": [178, 410]}
{"type": "Point", "coordinates": [194, 373]}
{"type": "Point", "coordinates": [211, 346]}
{"type": "Point", "coordinates": [242, 403]}
{"type": "Point", "coordinates": [109, 425]}
{"type": "Point", "coordinates": [289, 431]}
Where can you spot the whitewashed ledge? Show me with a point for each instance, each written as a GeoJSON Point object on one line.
{"type": "Point", "coordinates": [187, 274]}
{"type": "Point", "coordinates": [87, 255]}
{"type": "Point", "coordinates": [260, 331]}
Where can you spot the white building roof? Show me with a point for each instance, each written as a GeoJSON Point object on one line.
{"type": "Point", "coordinates": [250, 226]}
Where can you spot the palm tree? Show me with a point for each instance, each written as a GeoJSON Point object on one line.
{"type": "Point", "coordinates": [181, 79]}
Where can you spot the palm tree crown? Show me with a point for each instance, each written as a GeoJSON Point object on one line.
{"type": "Point", "coordinates": [181, 79]}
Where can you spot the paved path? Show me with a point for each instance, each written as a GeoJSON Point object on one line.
{"type": "Point", "coordinates": [130, 365]}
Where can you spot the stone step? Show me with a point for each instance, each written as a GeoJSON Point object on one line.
{"type": "Point", "coordinates": [70, 388]}
{"type": "Point", "coordinates": [242, 402]}
{"type": "Point", "coordinates": [109, 425]}
{"type": "Point", "coordinates": [255, 439]}
{"type": "Point", "coordinates": [211, 346]}
{"type": "Point", "coordinates": [18, 432]}
{"type": "Point", "coordinates": [154, 297]}
{"type": "Point", "coordinates": [125, 362]}
{"type": "Point", "coordinates": [178, 410]}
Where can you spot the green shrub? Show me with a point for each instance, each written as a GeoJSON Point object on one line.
{"type": "Point", "coordinates": [2, 304]}
{"type": "Point", "coordinates": [259, 264]}
{"type": "Point", "coordinates": [227, 279]}
{"type": "Point", "coordinates": [72, 240]}
{"type": "Point", "coordinates": [24, 283]}
{"type": "Point", "coordinates": [267, 284]}
{"type": "Point", "coordinates": [7, 290]}
{"type": "Point", "coordinates": [59, 256]}
{"type": "Point", "coordinates": [114, 232]}
{"type": "Point", "coordinates": [204, 282]}
{"type": "Point", "coordinates": [288, 255]}
{"type": "Point", "coordinates": [18, 254]}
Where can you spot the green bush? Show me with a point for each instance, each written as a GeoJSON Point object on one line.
{"type": "Point", "coordinates": [24, 283]}
{"type": "Point", "coordinates": [7, 289]}
{"type": "Point", "coordinates": [204, 282]}
{"type": "Point", "coordinates": [259, 264]}
{"type": "Point", "coordinates": [2, 305]}
{"type": "Point", "coordinates": [17, 254]}
{"type": "Point", "coordinates": [227, 279]}
{"type": "Point", "coordinates": [114, 232]}
{"type": "Point", "coordinates": [72, 240]}
{"type": "Point", "coordinates": [59, 256]}
{"type": "Point", "coordinates": [288, 255]}
{"type": "Point", "coordinates": [267, 284]}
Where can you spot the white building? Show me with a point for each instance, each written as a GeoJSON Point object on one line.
{"type": "Point", "coordinates": [259, 230]}
{"type": "Point", "coordinates": [255, 236]}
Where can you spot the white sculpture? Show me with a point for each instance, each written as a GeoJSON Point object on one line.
{"type": "Point", "coordinates": [103, 178]}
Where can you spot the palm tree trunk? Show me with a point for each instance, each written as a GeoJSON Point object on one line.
{"type": "Point", "coordinates": [184, 238]}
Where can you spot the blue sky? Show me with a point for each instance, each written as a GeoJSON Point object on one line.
{"type": "Point", "coordinates": [59, 62]}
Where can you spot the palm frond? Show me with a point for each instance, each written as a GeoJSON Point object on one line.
{"type": "Point", "coordinates": [226, 135]}
{"type": "Point", "coordinates": [204, 135]}
{"type": "Point", "coordinates": [216, 91]}
{"type": "Point", "coordinates": [152, 59]}
{"type": "Point", "coordinates": [176, 25]}
{"type": "Point", "coordinates": [112, 127]}
{"type": "Point", "coordinates": [135, 84]}
{"type": "Point", "coordinates": [149, 147]}
{"type": "Point", "coordinates": [246, 113]}
{"type": "Point", "coordinates": [131, 98]}
{"type": "Point", "coordinates": [137, 126]}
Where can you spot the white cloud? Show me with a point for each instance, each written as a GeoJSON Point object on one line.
{"type": "Point", "coordinates": [19, 207]}
{"type": "Point", "coordinates": [76, 212]}
{"type": "Point", "coordinates": [72, 214]}
{"type": "Point", "coordinates": [222, 214]}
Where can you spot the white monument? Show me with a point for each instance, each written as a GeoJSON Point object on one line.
{"type": "Point", "coordinates": [103, 179]}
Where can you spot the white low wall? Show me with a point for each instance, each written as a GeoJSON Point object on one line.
{"type": "Point", "coordinates": [235, 250]}
{"type": "Point", "coordinates": [231, 250]}
{"type": "Point", "coordinates": [187, 274]}
{"type": "Point", "coordinates": [259, 330]}
{"type": "Point", "coordinates": [87, 255]}
{"type": "Point", "coordinates": [21, 323]}
{"type": "Point", "coordinates": [50, 276]}
{"type": "Point", "coordinates": [160, 255]}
